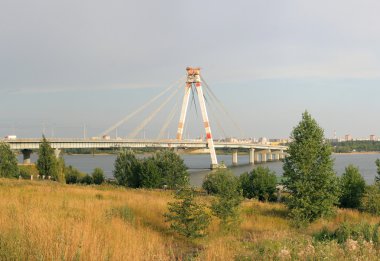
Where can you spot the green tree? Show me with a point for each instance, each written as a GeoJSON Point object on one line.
{"type": "Point", "coordinates": [377, 178]}
{"type": "Point", "coordinates": [8, 162]}
{"type": "Point", "coordinates": [225, 206]}
{"type": "Point", "coordinates": [127, 169]}
{"type": "Point", "coordinates": [47, 162]}
{"type": "Point", "coordinates": [98, 176]}
{"type": "Point", "coordinates": [309, 174]}
{"type": "Point", "coordinates": [186, 216]}
{"type": "Point", "coordinates": [151, 174]}
{"type": "Point", "coordinates": [218, 181]}
{"type": "Point", "coordinates": [260, 183]}
{"type": "Point", "coordinates": [352, 187]}
{"type": "Point", "coordinates": [72, 175]}
{"type": "Point", "coordinates": [60, 170]}
{"type": "Point", "coordinates": [172, 169]}
{"type": "Point", "coordinates": [87, 179]}
{"type": "Point", "coordinates": [371, 200]}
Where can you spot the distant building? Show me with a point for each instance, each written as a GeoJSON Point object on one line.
{"type": "Point", "coordinates": [372, 138]}
{"type": "Point", "coordinates": [347, 137]}
{"type": "Point", "coordinates": [263, 140]}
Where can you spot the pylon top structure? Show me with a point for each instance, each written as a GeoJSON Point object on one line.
{"type": "Point", "coordinates": [194, 81]}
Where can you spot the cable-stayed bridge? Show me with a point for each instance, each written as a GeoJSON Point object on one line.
{"type": "Point", "coordinates": [195, 85]}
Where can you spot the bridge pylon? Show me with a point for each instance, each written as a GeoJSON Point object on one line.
{"type": "Point", "coordinates": [194, 81]}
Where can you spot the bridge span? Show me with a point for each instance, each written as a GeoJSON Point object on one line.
{"type": "Point", "coordinates": [256, 152]}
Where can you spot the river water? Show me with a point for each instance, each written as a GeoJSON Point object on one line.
{"type": "Point", "coordinates": [198, 164]}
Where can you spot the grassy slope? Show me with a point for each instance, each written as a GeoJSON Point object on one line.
{"type": "Point", "coordinates": [49, 221]}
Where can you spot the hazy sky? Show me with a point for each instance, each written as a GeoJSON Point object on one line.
{"type": "Point", "coordinates": [67, 63]}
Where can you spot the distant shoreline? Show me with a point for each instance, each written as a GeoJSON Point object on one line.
{"type": "Point", "coordinates": [357, 153]}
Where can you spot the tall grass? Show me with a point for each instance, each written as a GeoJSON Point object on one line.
{"type": "Point", "coordinates": [43, 220]}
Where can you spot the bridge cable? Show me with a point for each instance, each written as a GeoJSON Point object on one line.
{"type": "Point", "coordinates": [168, 120]}
{"type": "Point", "coordinates": [212, 94]}
{"type": "Point", "coordinates": [128, 117]}
{"type": "Point", "coordinates": [134, 133]}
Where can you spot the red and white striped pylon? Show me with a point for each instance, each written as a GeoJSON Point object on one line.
{"type": "Point", "coordinates": [194, 79]}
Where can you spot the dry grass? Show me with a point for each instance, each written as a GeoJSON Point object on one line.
{"type": "Point", "coordinates": [49, 221]}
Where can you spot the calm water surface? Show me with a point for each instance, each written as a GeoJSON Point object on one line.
{"type": "Point", "coordinates": [198, 164]}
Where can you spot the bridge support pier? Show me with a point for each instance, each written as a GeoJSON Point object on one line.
{"type": "Point", "coordinates": [234, 157]}
{"type": "Point", "coordinates": [252, 156]}
{"type": "Point", "coordinates": [282, 155]}
{"type": "Point", "coordinates": [264, 156]}
{"type": "Point", "coordinates": [277, 156]}
{"type": "Point", "coordinates": [57, 152]}
{"type": "Point", "coordinates": [26, 156]}
{"type": "Point", "coordinates": [257, 157]}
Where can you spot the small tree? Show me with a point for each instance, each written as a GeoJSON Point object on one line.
{"type": "Point", "coordinates": [226, 187]}
{"type": "Point", "coordinates": [377, 178]}
{"type": "Point", "coordinates": [260, 183]}
{"type": "Point", "coordinates": [127, 169]}
{"type": "Point", "coordinates": [186, 216]}
{"type": "Point", "coordinates": [309, 174]}
{"type": "Point", "coordinates": [60, 170]}
{"type": "Point", "coordinates": [151, 174]}
{"type": "Point", "coordinates": [8, 162]}
{"type": "Point", "coordinates": [72, 175]}
{"type": "Point", "coordinates": [352, 186]}
{"type": "Point", "coordinates": [87, 179]}
{"type": "Point", "coordinates": [47, 162]}
{"type": "Point", "coordinates": [98, 176]}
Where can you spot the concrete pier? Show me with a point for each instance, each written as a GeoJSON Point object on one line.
{"type": "Point", "coordinates": [264, 156]}
{"type": "Point", "coordinates": [26, 156]}
{"type": "Point", "coordinates": [57, 152]}
{"type": "Point", "coordinates": [252, 156]}
{"type": "Point", "coordinates": [234, 157]}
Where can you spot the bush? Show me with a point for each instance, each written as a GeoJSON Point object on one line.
{"type": "Point", "coordinates": [87, 179]}
{"type": "Point", "coordinates": [72, 175]}
{"type": "Point", "coordinates": [219, 181]}
{"type": "Point", "coordinates": [186, 216]}
{"type": "Point", "coordinates": [127, 169]}
{"type": "Point", "coordinates": [371, 200]}
{"type": "Point", "coordinates": [260, 183]}
{"type": "Point", "coordinates": [352, 187]}
{"type": "Point", "coordinates": [98, 176]}
{"type": "Point", "coordinates": [26, 171]}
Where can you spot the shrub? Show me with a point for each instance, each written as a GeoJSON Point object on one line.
{"type": "Point", "coordinates": [352, 187]}
{"type": "Point", "coordinates": [186, 216]}
{"type": "Point", "coordinates": [87, 179]}
{"type": "Point", "coordinates": [371, 200]}
{"type": "Point", "coordinates": [26, 171]}
{"type": "Point", "coordinates": [260, 183]}
{"type": "Point", "coordinates": [219, 181]}
{"type": "Point", "coordinates": [127, 169]}
{"type": "Point", "coordinates": [72, 175]}
{"type": "Point", "coordinates": [98, 176]}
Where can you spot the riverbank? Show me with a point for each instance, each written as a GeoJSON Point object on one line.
{"type": "Point", "coordinates": [50, 221]}
{"type": "Point", "coordinates": [357, 153]}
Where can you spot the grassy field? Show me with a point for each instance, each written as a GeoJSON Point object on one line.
{"type": "Point", "coordinates": [44, 220]}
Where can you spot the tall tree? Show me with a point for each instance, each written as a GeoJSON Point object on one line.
{"type": "Point", "coordinates": [309, 174]}
{"type": "Point", "coordinates": [47, 162]}
{"type": "Point", "coordinates": [127, 169]}
{"type": "Point", "coordinates": [8, 162]}
{"type": "Point", "coordinates": [352, 186]}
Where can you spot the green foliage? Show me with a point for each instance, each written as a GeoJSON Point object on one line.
{"type": "Point", "coordinates": [47, 162]}
{"type": "Point", "coordinates": [186, 216]}
{"type": "Point", "coordinates": [87, 179]}
{"type": "Point", "coordinates": [98, 176]}
{"type": "Point", "coordinates": [309, 174]}
{"type": "Point", "coordinates": [164, 168]}
{"type": "Point", "coordinates": [352, 187]}
{"type": "Point", "coordinates": [8, 162]}
{"type": "Point", "coordinates": [362, 231]}
{"type": "Point", "coordinates": [60, 170]}
{"type": "Point", "coordinates": [28, 170]}
{"type": "Point", "coordinates": [260, 183]}
{"type": "Point", "coordinates": [218, 181]}
{"type": "Point", "coordinates": [127, 169]}
{"type": "Point", "coordinates": [377, 178]}
{"type": "Point", "coordinates": [72, 175]}
{"type": "Point", "coordinates": [356, 145]}
{"type": "Point", "coordinates": [371, 200]}
{"type": "Point", "coordinates": [172, 169]}
{"type": "Point", "coordinates": [226, 187]}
